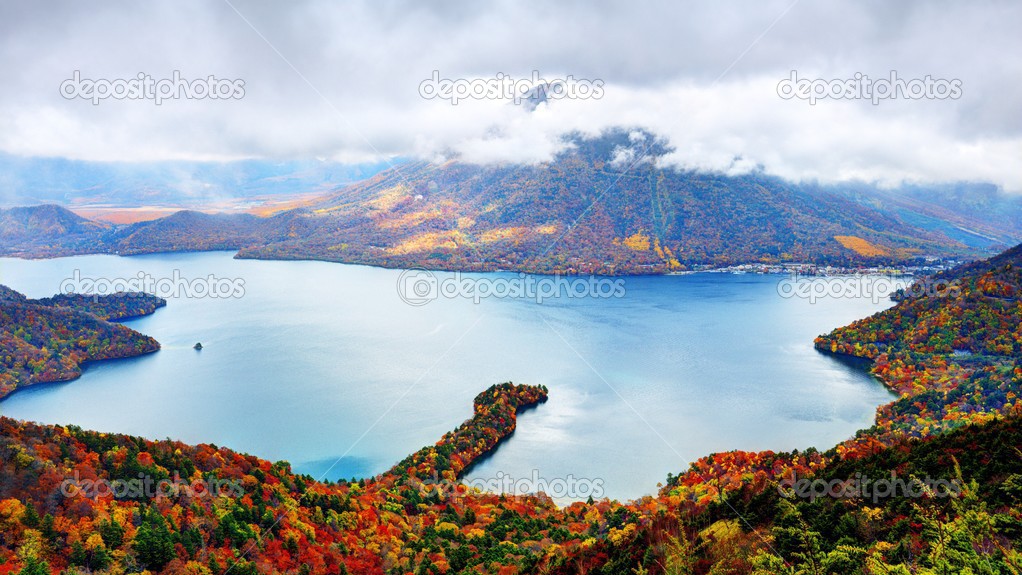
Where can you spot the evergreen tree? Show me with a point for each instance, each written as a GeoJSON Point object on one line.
{"type": "Point", "coordinates": [154, 543]}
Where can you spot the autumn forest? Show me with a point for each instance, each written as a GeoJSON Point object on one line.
{"type": "Point", "coordinates": [952, 357]}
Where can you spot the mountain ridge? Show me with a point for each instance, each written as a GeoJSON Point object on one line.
{"type": "Point", "coordinates": [595, 208]}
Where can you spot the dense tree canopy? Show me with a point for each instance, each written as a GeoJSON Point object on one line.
{"type": "Point", "coordinates": [954, 358]}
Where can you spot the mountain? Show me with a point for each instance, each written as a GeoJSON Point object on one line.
{"type": "Point", "coordinates": [52, 231]}
{"type": "Point", "coordinates": [193, 231]}
{"type": "Point", "coordinates": [608, 204]}
{"type": "Point", "coordinates": [47, 222]}
{"type": "Point", "coordinates": [47, 230]}
{"type": "Point", "coordinates": [974, 214]}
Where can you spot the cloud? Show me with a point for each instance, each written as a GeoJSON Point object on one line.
{"type": "Point", "coordinates": [336, 81]}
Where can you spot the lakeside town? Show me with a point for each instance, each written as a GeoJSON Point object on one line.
{"type": "Point", "coordinates": [930, 265]}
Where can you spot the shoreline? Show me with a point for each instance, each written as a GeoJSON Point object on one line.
{"type": "Point", "coordinates": [807, 269]}
{"type": "Point", "coordinates": [490, 453]}
{"type": "Point", "coordinates": [86, 364]}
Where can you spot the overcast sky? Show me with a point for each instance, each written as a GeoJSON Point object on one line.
{"type": "Point", "coordinates": [341, 81]}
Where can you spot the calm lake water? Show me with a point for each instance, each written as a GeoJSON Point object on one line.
{"type": "Point", "coordinates": [318, 360]}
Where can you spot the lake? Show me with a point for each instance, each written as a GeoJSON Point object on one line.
{"type": "Point", "coordinates": [327, 366]}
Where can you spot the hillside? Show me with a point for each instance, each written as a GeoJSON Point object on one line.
{"type": "Point", "coordinates": [48, 231]}
{"type": "Point", "coordinates": [594, 209]}
{"type": "Point", "coordinates": [586, 211]}
{"type": "Point", "coordinates": [49, 339]}
{"type": "Point", "coordinates": [954, 357]}
{"type": "Point", "coordinates": [974, 214]}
